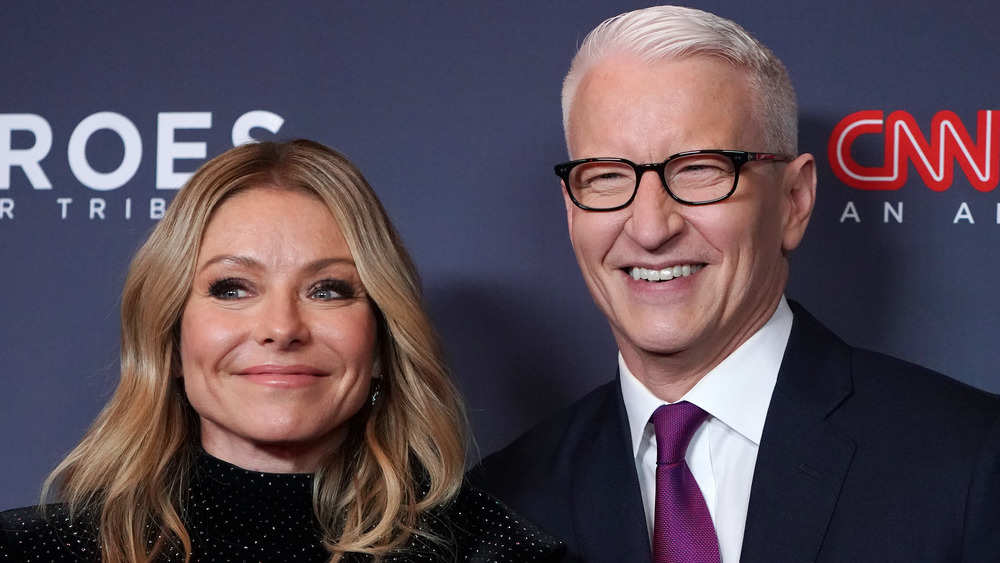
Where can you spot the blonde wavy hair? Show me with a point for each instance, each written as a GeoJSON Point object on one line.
{"type": "Point", "coordinates": [403, 456]}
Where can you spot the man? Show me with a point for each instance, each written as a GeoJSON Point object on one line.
{"type": "Point", "coordinates": [801, 448]}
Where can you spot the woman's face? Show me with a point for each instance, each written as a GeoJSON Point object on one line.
{"type": "Point", "coordinates": [277, 335]}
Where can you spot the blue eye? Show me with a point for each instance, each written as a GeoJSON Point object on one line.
{"type": "Point", "coordinates": [330, 290]}
{"type": "Point", "coordinates": [229, 288]}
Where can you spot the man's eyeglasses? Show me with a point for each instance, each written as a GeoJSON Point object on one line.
{"type": "Point", "coordinates": [692, 177]}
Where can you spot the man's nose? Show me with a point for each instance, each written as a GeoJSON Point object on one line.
{"type": "Point", "coordinates": [654, 216]}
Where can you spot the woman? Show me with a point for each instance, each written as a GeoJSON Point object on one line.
{"type": "Point", "coordinates": [282, 393]}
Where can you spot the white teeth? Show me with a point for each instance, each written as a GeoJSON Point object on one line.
{"type": "Point", "coordinates": [666, 274]}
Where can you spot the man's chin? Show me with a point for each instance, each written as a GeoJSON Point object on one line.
{"type": "Point", "coordinates": [657, 339]}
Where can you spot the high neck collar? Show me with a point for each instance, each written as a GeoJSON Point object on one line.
{"type": "Point", "coordinates": [230, 508]}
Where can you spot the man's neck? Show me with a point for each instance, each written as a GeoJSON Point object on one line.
{"type": "Point", "coordinates": [671, 376]}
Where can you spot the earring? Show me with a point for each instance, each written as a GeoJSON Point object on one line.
{"type": "Point", "coordinates": [376, 388]}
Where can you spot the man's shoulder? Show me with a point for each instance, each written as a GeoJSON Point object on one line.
{"type": "Point", "coordinates": [891, 437]}
{"type": "Point", "coordinates": [904, 385]}
{"type": "Point", "coordinates": [833, 364]}
{"type": "Point", "coordinates": [581, 454]}
{"type": "Point", "coordinates": [542, 458]}
{"type": "Point", "coordinates": [917, 377]}
{"type": "Point", "coordinates": [564, 429]}
{"type": "Point", "coordinates": [871, 391]}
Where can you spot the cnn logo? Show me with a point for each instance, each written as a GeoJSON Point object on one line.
{"type": "Point", "coordinates": [933, 159]}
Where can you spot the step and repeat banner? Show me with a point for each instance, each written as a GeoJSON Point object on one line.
{"type": "Point", "coordinates": [451, 109]}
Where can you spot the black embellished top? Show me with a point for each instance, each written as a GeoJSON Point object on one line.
{"type": "Point", "coordinates": [235, 515]}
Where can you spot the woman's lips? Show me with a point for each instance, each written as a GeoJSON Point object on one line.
{"type": "Point", "coordinates": [282, 376]}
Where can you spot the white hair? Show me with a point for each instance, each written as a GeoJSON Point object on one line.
{"type": "Point", "coordinates": [664, 33]}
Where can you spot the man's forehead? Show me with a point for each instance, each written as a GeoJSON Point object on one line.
{"type": "Point", "coordinates": [624, 88]}
{"type": "Point", "coordinates": [611, 68]}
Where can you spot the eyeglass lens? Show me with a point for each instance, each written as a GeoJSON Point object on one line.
{"type": "Point", "coordinates": [694, 178]}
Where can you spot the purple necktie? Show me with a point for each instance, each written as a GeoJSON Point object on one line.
{"type": "Point", "coordinates": [683, 530]}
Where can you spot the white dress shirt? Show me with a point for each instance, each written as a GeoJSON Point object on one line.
{"type": "Point", "coordinates": [723, 451]}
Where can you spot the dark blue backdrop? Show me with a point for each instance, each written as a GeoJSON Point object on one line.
{"type": "Point", "coordinates": [451, 109]}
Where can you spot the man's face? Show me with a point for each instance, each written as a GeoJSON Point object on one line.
{"type": "Point", "coordinates": [730, 255]}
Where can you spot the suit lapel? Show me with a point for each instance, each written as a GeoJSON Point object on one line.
{"type": "Point", "coordinates": [802, 459]}
{"type": "Point", "coordinates": [607, 506]}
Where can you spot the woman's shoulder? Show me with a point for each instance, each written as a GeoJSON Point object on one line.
{"type": "Point", "coordinates": [481, 528]}
{"type": "Point", "coordinates": [45, 534]}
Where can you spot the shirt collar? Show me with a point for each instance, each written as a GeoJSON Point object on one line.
{"type": "Point", "coordinates": [737, 391]}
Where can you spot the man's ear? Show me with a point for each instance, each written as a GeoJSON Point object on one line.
{"type": "Point", "coordinates": [799, 196]}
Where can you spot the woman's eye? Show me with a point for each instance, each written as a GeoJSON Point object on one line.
{"type": "Point", "coordinates": [329, 290]}
{"type": "Point", "coordinates": [229, 288]}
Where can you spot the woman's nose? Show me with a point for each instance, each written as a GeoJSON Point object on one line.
{"type": "Point", "coordinates": [281, 322]}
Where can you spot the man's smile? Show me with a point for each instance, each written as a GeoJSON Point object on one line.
{"type": "Point", "coordinates": [665, 274]}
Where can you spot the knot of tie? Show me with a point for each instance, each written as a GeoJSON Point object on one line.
{"type": "Point", "coordinates": [675, 425]}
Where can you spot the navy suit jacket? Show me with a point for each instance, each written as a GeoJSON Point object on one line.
{"type": "Point", "coordinates": [863, 458]}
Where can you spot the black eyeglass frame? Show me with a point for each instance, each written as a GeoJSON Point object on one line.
{"type": "Point", "coordinates": [738, 158]}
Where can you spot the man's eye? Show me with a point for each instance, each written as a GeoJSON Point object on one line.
{"type": "Point", "coordinates": [229, 288]}
{"type": "Point", "coordinates": [704, 168]}
{"type": "Point", "coordinates": [604, 178]}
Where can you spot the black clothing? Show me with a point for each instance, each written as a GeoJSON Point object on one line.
{"type": "Point", "coordinates": [235, 515]}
